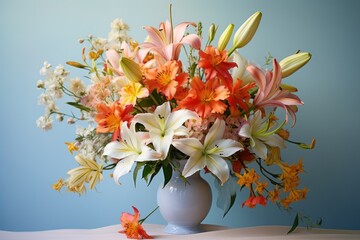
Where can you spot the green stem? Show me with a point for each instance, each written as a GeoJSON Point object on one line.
{"type": "Point", "coordinates": [143, 220]}
{"type": "Point", "coordinates": [154, 99]}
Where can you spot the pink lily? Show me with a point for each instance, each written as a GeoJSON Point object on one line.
{"type": "Point", "coordinates": [113, 57]}
{"type": "Point", "coordinates": [270, 92]}
{"type": "Point", "coordinates": [167, 41]}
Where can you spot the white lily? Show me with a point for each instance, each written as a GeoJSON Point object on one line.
{"type": "Point", "coordinates": [132, 148]}
{"type": "Point", "coordinates": [210, 154]}
{"type": "Point", "coordinates": [240, 71]}
{"type": "Point", "coordinates": [260, 135]}
{"type": "Point", "coordinates": [163, 125]}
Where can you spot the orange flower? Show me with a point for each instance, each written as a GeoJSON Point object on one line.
{"type": "Point", "coordinates": [205, 98]}
{"type": "Point", "coordinates": [132, 228]}
{"type": "Point", "coordinates": [239, 96]}
{"type": "Point", "coordinates": [215, 64]}
{"type": "Point", "coordinates": [166, 78]}
{"type": "Point", "coordinates": [252, 201]}
{"type": "Point", "coordinates": [109, 118]}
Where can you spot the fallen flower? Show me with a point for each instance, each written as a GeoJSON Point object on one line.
{"type": "Point", "coordinates": [132, 227]}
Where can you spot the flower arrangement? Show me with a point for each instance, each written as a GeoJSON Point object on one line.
{"type": "Point", "coordinates": [174, 96]}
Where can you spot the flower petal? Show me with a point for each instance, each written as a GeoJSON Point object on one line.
{"type": "Point", "coordinates": [117, 150]}
{"type": "Point", "coordinates": [188, 145]}
{"type": "Point", "coordinates": [215, 132]}
{"type": "Point", "coordinates": [218, 167]}
{"type": "Point", "coordinates": [162, 142]}
{"type": "Point", "coordinates": [227, 147]}
{"type": "Point", "coordinates": [259, 148]}
{"type": "Point", "coordinates": [177, 118]}
{"type": "Point", "coordinates": [123, 167]}
{"type": "Point", "coordinates": [195, 163]}
{"type": "Point", "coordinates": [193, 40]}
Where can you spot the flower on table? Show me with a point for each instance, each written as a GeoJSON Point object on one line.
{"type": "Point", "coordinates": [132, 228]}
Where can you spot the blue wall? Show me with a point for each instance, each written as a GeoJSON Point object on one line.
{"type": "Point", "coordinates": [31, 160]}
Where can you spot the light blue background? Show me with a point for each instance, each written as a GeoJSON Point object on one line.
{"type": "Point", "coordinates": [32, 160]}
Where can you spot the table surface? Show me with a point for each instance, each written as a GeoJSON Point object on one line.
{"type": "Point", "coordinates": [210, 232]}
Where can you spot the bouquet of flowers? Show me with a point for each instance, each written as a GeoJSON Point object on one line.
{"type": "Point", "coordinates": [179, 95]}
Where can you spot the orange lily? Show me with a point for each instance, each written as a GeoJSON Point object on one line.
{"type": "Point", "coordinates": [166, 78]}
{"type": "Point", "coordinates": [167, 41]}
{"type": "Point", "coordinates": [109, 118]}
{"type": "Point", "coordinates": [205, 98]}
{"type": "Point", "coordinates": [239, 96]}
{"type": "Point", "coordinates": [215, 64]}
{"type": "Point", "coordinates": [132, 228]}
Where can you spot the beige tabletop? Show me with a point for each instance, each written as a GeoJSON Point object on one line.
{"type": "Point", "coordinates": [211, 232]}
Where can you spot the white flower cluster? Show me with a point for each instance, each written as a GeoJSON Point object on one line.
{"type": "Point", "coordinates": [53, 89]}
{"type": "Point", "coordinates": [119, 32]}
{"type": "Point", "coordinates": [90, 143]}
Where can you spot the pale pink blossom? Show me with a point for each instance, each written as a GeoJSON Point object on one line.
{"type": "Point", "coordinates": [270, 92]}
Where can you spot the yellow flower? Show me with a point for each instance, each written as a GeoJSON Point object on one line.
{"type": "Point", "coordinates": [88, 172]}
{"type": "Point", "coordinates": [71, 147]}
{"type": "Point", "coordinates": [273, 156]}
{"type": "Point", "coordinates": [297, 194]}
{"type": "Point", "coordinates": [261, 186]}
{"type": "Point", "coordinates": [58, 185]}
{"type": "Point", "coordinates": [131, 92]}
{"type": "Point", "coordinates": [274, 194]}
{"type": "Point", "coordinates": [78, 189]}
{"type": "Point", "coordinates": [247, 178]}
{"type": "Point", "coordinates": [289, 176]}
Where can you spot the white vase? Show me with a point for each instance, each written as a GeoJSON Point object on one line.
{"type": "Point", "coordinates": [184, 204]}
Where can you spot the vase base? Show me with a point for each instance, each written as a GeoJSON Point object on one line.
{"type": "Point", "coordinates": [181, 230]}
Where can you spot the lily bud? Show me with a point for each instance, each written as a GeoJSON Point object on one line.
{"type": "Point", "coordinates": [212, 32]}
{"type": "Point", "coordinates": [288, 87]}
{"type": "Point", "coordinates": [292, 63]}
{"type": "Point", "coordinates": [131, 69]}
{"type": "Point", "coordinates": [75, 64]}
{"type": "Point", "coordinates": [225, 37]}
{"type": "Point", "coordinates": [246, 31]}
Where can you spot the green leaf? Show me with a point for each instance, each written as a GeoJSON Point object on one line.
{"type": "Point", "coordinates": [138, 166]}
{"type": "Point", "coordinates": [295, 224]}
{"type": "Point", "coordinates": [148, 170]}
{"type": "Point", "coordinates": [156, 171]}
{"type": "Point", "coordinates": [79, 106]}
{"type": "Point", "coordinates": [319, 222]}
{"type": "Point", "coordinates": [167, 170]}
{"type": "Point", "coordinates": [232, 200]}
{"type": "Point", "coordinates": [147, 102]}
